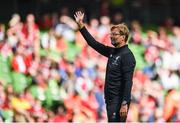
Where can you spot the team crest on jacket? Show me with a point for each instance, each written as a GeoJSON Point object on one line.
{"type": "Point", "coordinates": [115, 60]}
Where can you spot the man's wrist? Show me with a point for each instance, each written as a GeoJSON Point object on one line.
{"type": "Point", "coordinates": [81, 26]}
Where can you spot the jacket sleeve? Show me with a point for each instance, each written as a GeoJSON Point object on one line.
{"type": "Point", "coordinates": [128, 65]}
{"type": "Point", "coordinates": [102, 49]}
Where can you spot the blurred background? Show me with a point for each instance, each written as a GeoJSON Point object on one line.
{"type": "Point", "coordinates": [49, 74]}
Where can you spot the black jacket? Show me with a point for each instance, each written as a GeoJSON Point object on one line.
{"type": "Point", "coordinates": [119, 69]}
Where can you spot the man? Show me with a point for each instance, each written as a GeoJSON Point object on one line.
{"type": "Point", "coordinates": [119, 71]}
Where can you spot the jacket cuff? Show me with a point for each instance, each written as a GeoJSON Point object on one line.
{"type": "Point", "coordinates": [124, 102]}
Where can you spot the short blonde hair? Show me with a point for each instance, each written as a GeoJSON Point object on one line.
{"type": "Point", "coordinates": [123, 30]}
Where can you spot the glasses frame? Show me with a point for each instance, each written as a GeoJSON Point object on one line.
{"type": "Point", "coordinates": [115, 34]}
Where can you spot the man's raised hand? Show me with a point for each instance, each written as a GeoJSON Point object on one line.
{"type": "Point", "coordinates": [79, 16]}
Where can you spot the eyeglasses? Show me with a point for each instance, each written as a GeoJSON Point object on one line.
{"type": "Point", "coordinates": [115, 34]}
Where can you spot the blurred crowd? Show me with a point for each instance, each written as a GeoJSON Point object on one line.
{"type": "Point", "coordinates": [48, 73]}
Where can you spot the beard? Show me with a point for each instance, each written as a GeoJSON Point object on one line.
{"type": "Point", "coordinates": [114, 42]}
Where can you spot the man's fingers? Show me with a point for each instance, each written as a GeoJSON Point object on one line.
{"type": "Point", "coordinates": [75, 16]}
{"type": "Point", "coordinates": [123, 113]}
{"type": "Point", "coordinates": [79, 13]}
{"type": "Point", "coordinates": [82, 15]}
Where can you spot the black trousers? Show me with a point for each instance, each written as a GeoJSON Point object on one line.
{"type": "Point", "coordinates": [113, 112]}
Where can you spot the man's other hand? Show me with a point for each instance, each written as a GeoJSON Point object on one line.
{"type": "Point", "coordinates": [123, 110]}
